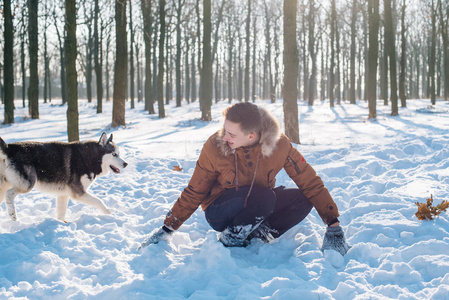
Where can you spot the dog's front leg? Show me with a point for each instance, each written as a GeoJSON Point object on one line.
{"type": "Point", "coordinates": [93, 201]}
{"type": "Point", "coordinates": [61, 206]}
{"type": "Point", "coordinates": [10, 195]}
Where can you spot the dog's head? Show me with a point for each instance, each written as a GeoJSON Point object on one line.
{"type": "Point", "coordinates": [111, 159]}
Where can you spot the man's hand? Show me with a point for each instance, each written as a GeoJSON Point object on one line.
{"type": "Point", "coordinates": [334, 239]}
{"type": "Point", "coordinates": [157, 235]}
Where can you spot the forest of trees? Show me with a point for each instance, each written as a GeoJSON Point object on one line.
{"type": "Point", "coordinates": [158, 51]}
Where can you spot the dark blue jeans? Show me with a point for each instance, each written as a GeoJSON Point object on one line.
{"type": "Point", "coordinates": [280, 208]}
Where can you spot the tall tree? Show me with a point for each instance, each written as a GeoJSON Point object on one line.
{"type": "Point", "coordinates": [373, 48]}
{"type": "Point", "coordinates": [333, 26]}
{"type": "Point", "coordinates": [147, 32]}
{"type": "Point", "coordinates": [160, 74]}
{"type": "Point", "coordinates": [353, 52]}
{"type": "Point", "coordinates": [444, 21]}
{"type": "Point", "coordinates": [391, 52]}
{"type": "Point", "coordinates": [248, 50]}
{"type": "Point", "coordinates": [216, 39]}
{"type": "Point", "coordinates": [290, 71]}
{"type": "Point", "coordinates": [62, 57]}
{"type": "Point", "coordinates": [72, 80]}
{"type": "Point", "coordinates": [22, 54]}
{"type": "Point", "coordinates": [89, 49]}
{"type": "Point", "coordinates": [131, 56]}
{"type": "Point", "coordinates": [403, 69]}
{"type": "Point", "coordinates": [312, 52]}
{"type": "Point", "coordinates": [33, 89]}
{"type": "Point", "coordinates": [187, 64]}
{"type": "Point", "coordinates": [230, 40]}
{"type": "Point", "coordinates": [206, 69]}
{"type": "Point", "coordinates": [8, 63]}
{"type": "Point", "coordinates": [97, 60]}
{"type": "Point", "coordinates": [121, 65]}
{"type": "Point", "coordinates": [46, 91]}
{"type": "Point", "coordinates": [178, 8]}
{"type": "Point", "coordinates": [268, 44]}
{"type": "Point", "coordinates": [253, 91]}
{"type": "Point", "coordinates": [432, 56]}
{"type": "Point", "coordinates": [107, 66]}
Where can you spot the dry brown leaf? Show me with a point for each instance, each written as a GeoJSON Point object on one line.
{"type": "Point", "coordinates": [426, 211]}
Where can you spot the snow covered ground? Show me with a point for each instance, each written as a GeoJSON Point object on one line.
{"type": "Point", "coordinates": [375, 170]}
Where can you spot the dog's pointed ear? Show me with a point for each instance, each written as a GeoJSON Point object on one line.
{"type": "Point", "coordinates": [103, 139]}
{"type": "Point", "coordinates": [110, 138]}
{"type": "Point", "coordinates": [3, 145]}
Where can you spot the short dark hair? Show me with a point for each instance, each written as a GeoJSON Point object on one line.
{"type": "Point", "coordinates": [246, 114]}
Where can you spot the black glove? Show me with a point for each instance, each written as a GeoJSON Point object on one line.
{"type": "Point", "coordinates": [156, 236]}
{"type": "Point", "coordinates": [334, 239]}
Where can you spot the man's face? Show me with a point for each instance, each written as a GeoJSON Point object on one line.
{"type": "Point", "coordinates": [235, 137]}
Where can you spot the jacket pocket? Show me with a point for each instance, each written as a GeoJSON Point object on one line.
{"type": "Point", "coordinates": [227, 179]}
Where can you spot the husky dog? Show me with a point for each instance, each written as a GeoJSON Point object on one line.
{"type": "Point", "coordinates": [63, 169]}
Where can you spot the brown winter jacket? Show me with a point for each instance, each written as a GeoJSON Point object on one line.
{"type": "Point", "coordinates": [215, 172]}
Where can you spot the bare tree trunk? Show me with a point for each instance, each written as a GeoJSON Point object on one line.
{"type": "Point", "coordinates": [193, 75]}
{"type": "Point", "coordinates": [332, 58]}
{"type": "Point", "coordinates": [373, 11]}
{"type": "Point", "coordinates": [390, 44]}
{"type": "Point", "coordinates": [323, 70]}
{"type": "Point", "coordinates": [268, 43]}
{"type": "Point", "coordinates": [160, 74]}
{"type": "Point", "coordinates": [432, 55]}
{"type": "Point", "coordinates": [253, 93]}
{"type": "Point", "coordinates": [98, 62]}
{"type": "Point", "coordinates": [168, 69]}
{"type": "Point", "coordinates": [312, 53]}
{"type": "Point", "coordinates": [62, 58]}
{"type": "Point", "coordinates": [107, 74]}
{"type": "Point", "coordinates": [187, 67]}
{"type": "Point", "coordinates": [88, 17]}
{"type": "Point", "coordinates": [290, 72]}
{"type": "Point", "coordinates": [337, 56]}
{"type": "Point", "coordinates": [33, 89]}
{"type": "Point", "coordinates": [353, 52]}
{"type": "Point", "coordinates": [72, 78]}
{"type": "Point", "coordinates": [131, 57]}
{"type": "Point", "coordinates": [22, 57]}
{"type": "Point", "coordinates": [248, 51]}
{"type": "Point", "coordinates": [46, 59]}
{"type": "Point", "coordinates": [147, 31]}
{"type": "Point", "coordinates": [178, 52]}
{"type": "Point", "coordinates": [383, 69]}
{"type": "Point", "coordinates": [444, 21]}
{"type": "Point", "coordinates": [139, 76]}
{"type": "Point", "coordinates": [277, 51]}
{"type": "Point", "coordinates": [230, 59]}
{"type": "Point", "coordinates": [8, 64]}
{"type": "Point", "coordinates": [121, 65]}
{"type": "Point", "coordinates": [219, 19]}
{"type": "Point", "coordinates": [403, 54]}
{"type": "Point", "coordinates": [240, 79]}
{"type": "Point", "coordinates": [206, 70]}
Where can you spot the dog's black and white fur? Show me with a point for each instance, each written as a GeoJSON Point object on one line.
{"type": "Point", "coordinates": [63, 169]}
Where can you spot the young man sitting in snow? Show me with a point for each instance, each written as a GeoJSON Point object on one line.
{"type": "Point", "coordinates": [234, 182]}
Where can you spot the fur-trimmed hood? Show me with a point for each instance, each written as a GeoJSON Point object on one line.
{"type": "Point", "coordinates": [270, 134]}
